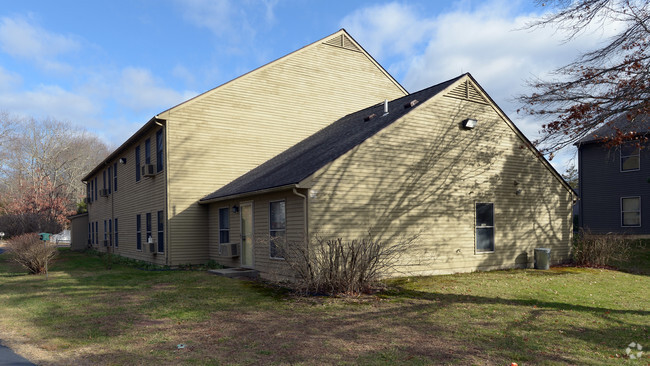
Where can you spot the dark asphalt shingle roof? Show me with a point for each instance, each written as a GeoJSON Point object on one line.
{"type": "Point", "coordinates": [641, 125]}
{"type": "Point", "coordinates": [305, 158]}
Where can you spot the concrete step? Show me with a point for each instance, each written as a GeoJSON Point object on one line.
{"type": "Point", "coordinates": [235, 272]}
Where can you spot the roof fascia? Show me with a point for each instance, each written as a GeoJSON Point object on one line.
{"type": "Point", "coordinates": [138, 134]}
{"type": "Point", "coordinates": [248, 194]}
{"type": "Point", "coordinates": [300, 50]}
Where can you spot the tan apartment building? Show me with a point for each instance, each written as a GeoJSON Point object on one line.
{"type": "Point", "coordinates": [444, 164]}
{"type": "Point", "coordinates": [143, 198]}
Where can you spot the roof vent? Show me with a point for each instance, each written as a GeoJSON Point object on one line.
{"type": "Point", "coordinates": [368, 118]}
{"type": "Point", "coordinates": [385, 107]}
{"type": "Point", "coordinates": [411, 104]}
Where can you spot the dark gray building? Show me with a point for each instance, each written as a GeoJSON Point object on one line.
{"type": "Point", "coordinates": [614, 182]}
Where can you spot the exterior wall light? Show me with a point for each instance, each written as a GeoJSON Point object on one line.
{"type": "Point", "coordinates": [235, 209]}
{"type": "Point", "coordinates": [122, 160]}
{"type": "Point", "coordinates": [469, 123]}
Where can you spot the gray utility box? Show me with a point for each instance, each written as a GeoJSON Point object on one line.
{"type": "Point", "coordinates": [542, 258]}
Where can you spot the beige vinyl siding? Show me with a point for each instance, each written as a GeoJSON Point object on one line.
{"type": "Point", "coordinates": [268, 267]}
{"type": "Point", "coordinates": [79, 232]}
{"type": "Point", "coordinates": [132, 198]}
{"type": "Point", "coordinates": [423, 176]}
{"type": "Point", "coordinates": [232, 129]}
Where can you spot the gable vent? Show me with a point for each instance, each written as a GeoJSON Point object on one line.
{"type": "Point", "coordinates": [344, 42]}
{"type": "Point", "coordinates": [467, 91]}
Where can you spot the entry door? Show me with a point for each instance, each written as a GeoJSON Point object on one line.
{"type": "Point", "coordinates": [246, 234]}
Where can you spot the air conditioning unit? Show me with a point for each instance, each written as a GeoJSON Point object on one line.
{"type": "Point", "coordinates": [103, 192]}
{"type": "Point", "coordinates": [152, 248]}
{"type": "Point", "coordinates": [147, 170]}
{"type": "Point", "coordinates": [229, 250]}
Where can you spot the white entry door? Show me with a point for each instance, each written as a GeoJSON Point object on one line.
{"type": "Point", "coordinates": [246, 234]}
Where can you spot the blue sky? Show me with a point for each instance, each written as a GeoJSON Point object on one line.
{"type": "Point", "coordinates": [110, 66]}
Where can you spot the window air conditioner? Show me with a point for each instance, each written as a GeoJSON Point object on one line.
{"type": "Point", "coordinates": [147, 170]}
{"type": "Point", "coordinates": [103, 192]}
{"type": "Point", "coordinates": [229, 250]}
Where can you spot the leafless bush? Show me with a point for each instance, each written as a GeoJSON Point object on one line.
{"type": "Point", "coordinates": [599, 250]}
{"type": "Point", "coordinates": [30, 252]}
{"type": "Point", "coordinates": [333, 266]}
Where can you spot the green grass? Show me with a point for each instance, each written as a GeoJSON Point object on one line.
{"type": "Point", "coordinates": [87, 314]}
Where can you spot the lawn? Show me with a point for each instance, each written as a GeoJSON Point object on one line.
{"type": "Point", "coordinates": [86, 314]}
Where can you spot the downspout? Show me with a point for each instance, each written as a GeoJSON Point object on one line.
{"type": "Point", "coordinates": [304, 214]}
{"type": "Point", "coordinates": [166, 204]}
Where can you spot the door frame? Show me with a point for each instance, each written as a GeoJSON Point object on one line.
{"type": "Point", "coordinates": [241, 234]}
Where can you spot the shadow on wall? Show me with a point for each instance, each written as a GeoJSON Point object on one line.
{"type": "Point", "coordinates": [424, 176]}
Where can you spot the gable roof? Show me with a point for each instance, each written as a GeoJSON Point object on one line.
{"type": "Point", "coordinates": [305, 158]}
{"type": "Point", "coordinates": [340, 38]}
{"type": "Point", "coordinates": [639, 125]}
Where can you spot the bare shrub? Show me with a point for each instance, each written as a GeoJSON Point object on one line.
{"type": "Point", "coordinates": [31, 252]}
{"type": "Point", "coordinates": [333, 266]}
{"type": "Point", "coordinates": [599, 250]}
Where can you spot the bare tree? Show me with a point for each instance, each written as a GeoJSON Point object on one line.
{"type": "Point", "coordinates": [601, 85]}
{"type": "Point", "coordinates": [43, 165]}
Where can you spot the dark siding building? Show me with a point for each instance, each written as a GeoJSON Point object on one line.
{"type": "Point", "coordinates": [614, 186]}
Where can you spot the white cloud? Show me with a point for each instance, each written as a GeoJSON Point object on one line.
{"type": "Point", "coordinates": [50, 101]}
{"type": "Point", "coordinates": [486, 41]}
{"type": "Point", "coordinates": [139, 90]}
{"type": "Point", "coordinates": [21, 39]}
{"type": "Point", "coordinates": [8, 80]}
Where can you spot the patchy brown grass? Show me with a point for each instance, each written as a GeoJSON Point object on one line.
{"type": "Point", "coordinates": [87, 315]}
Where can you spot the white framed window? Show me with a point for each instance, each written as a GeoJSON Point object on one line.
{"type": "Point", "coordinates": [277, 228]}
{"type": "Point", "coordinates": [631, 211]}
{"type": "Point", "coordinates": [224, 225]}
{"type": "Point", "coordinates": [484, 227]}
{"type": "Point", "coordinates": [630, 158]}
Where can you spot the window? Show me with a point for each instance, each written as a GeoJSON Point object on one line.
{"type": "Point", "coordinates": [114, 177]}
{"type": "Point", "coordinates": [224, 225]}
{"type": "Point", "coordinates": [159, 150]}
{"type": "Point", "coordinates": [137, 163]}
{"type": "Point", "coordinates": [484, 227]}
{"type": "Point", "coordinates": [631, 211]}
{"type": "Point", "coordinates": [630, 158]}
{"type": "Point", "coordinates": [104, 175]}
{"type": "Point", "coordinates": [161, 232]}
{"type": "Point", "coordinates": [138, 236]}
{"type": "Point", "coordinates": [90, 191]}
{"type": "Point", "coordinates": [115, 233]}
{"type": "Point", "coordinates": [110, 232]}
{"type": "Point", "coordinates": [277, 228]}
{"type": "Point", "coordinates": [148, 227]}
{"type": "Point", "coordinates": [105, 232]}
{"type": "Point", "coordinates": [95, 184]}
{"type": "Point", "coordinates": [110, 178]}
{"type": "Point", "coordinates": [96, 232]}
{"type": "Point", "coordinates": [90, 229]}
{"type": "Point", "coordinates": [87, 192]}
{"type": "Point", "coordinates": [92, 233]}
{"type": "Point", "coordinates": [147, 151]}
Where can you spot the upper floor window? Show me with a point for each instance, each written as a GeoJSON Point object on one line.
{"type": "Point", "coordinates": [147, 151]}
{"type": "Point", "coordinates": [95, 185]}
{"type": "Point", "coordinates": [137, 163]}
{"type": "Point", "coordinates": [114, 177]}
{"type": "Point", "coordinates": [224, 225]}
{"type": "Point", "coordinates": [630, 158]}
{"type": "Point", "coordinates": [631, 211]}
{"type": "Point", "coordinates": [484, 227]}
{"type": "Point", "coordinates": [110, 178]}
{"type": "Point", "coordinates": [159, 150]}
{"type": "Point", "coordinates": [277, 228]}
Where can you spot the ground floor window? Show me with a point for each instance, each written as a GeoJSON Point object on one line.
{"type": "Point", "coordinates": [224, 225]}
{"type": "Point", "coordinates": [484, 227]}
{"type": "Point", "coordinates": [115, 233]}
{"type": "Point", "coordinates": [138, 233]}
{"type": "Point", "coordinates": [277, 228]}
{"type": "Point", "coordinates": [149, 237]}
{"type": "Point", "coordinates": [631, 211]}
{"type": "Point", "coordinates": [161, 232]}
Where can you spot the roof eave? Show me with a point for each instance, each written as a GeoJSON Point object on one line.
{"type": "Point", "coordinates": [138, 134]}
{"type": "Point", "coordinates": [249, 193]}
